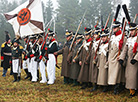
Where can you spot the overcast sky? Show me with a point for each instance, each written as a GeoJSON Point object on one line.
{"type": "Point", "coordinates": [55, 2]}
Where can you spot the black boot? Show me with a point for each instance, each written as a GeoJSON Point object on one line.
{"type": "Point", "coordinates": [37, 75]}
{"type": "Point", "coordinates": [75, 83]}
{"type": "Point", "coordinates": [15, 77]}
{"type": "Point", "coordinates": [11, 72]}
{"type": "Point", "coordinates": [65, 80]}
{"type": "Point", "coordinates": [84, 86]}
{"type": "Point", "coordinates": [116, 89]}
{"type": "Point", "coordinates": [70, 81]}
{"type": "Point", "coordinates": [27, 73]}
{"type": "Point", "coordinates": [105, 89]}
{"type": "Point", "coordinates": [4, 72]}
{"type": "Point", "coordinates": [94, 88]}
{"type": "Point", "coordinates": [122, 87]}
{"type": "Point", "coordinates": [30, 76]}
{"type": "Point", "coordinates": [89, 84]}
{"type": "Point", "coordinates": [19, 78]}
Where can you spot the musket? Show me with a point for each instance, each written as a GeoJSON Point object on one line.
{"type": "Point", "coordinates": [126, 13]}
{"type": "Point", "coordinates": [135, 18]}
{"type": "Point", "coordinates": [26, 48]}
{"type": "Point", "coordinates": [93, 34]}
{"type": "Point", "coordinates": [90, 43]}
{"type": "Point", "coordinates": [72, 43]}
{"type": "Point", "coordinates": [128, 18]}
{"type": "Point", "coordinates": [27, 43]}
{"type": "Point", "coordinates": [45, 38]}
{"type": "Point", "coordinates": [107, 21]}
{"type": "Point", "coordinates": [49, 23]}
{"type": "Point", "coordinates": [46, 33]}
{"type": "Point", "coordinates": [122, 39]}
{"type": "Point", "coordinates": [34, 43]}
{"type": "Point", "coordinates": [110, 31]}
{"type": "Point", "coordinates": [92, 38]}
{"type": "Point", "coordinates": [79, 51]}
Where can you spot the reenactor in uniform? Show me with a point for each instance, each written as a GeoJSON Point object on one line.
{"type": "Point", "coordinates": [102, 59]}
{"type": "Point", "coordinates": [75, 67]}
{"type": "Point", "coordinates": [40, 60]}
{"type": "Point", "coordinates": [65, 71]}
{"type": "Point", "coordinates": [93, 70]}
{"type": "Point", "coordinates": [6, 55]}
{"type": "Point", "coordinates": [131, 74]}
{"type": "Point", "coordinates": [52, 46]}
{"type": "Point", "coordinates": [17, 51]}
{"type": "Point", "coordinates": [84, 71]}
{"type": "Point", "coordinates": [33, 53]}
{"type": "Point", "coordinates": [26, 62]}
{"type": "Point", "coordinates": [115, 71]}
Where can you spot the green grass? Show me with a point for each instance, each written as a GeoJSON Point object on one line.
{"type": "Point", "coordinates": [25, 91]}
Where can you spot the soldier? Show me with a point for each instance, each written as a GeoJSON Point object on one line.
{"type": "Point", "coordinates": [75, 67]}
{"type": "Point", "coordinates": [17, 51]}
{"type": "Point", "coordinates": [115, 70]}
{"type": "Point", "coordinates": [84, 71]}
{"type": "Point", "coordinates": [93, 71]}
{"type": "Point", "coordinates": [52, 46]}
{"type": "Point", "coordinates": [33, 53]}
{"type": "Point", "coordinates": [40, 58]}
{"type": "Point", "coordinates": [132, 65]}
{"type": "Point", "coordinates": [65, 71]}
{"type": "Point", "coordinates": [103, 70]}
{"type": "Point", "coordinates": [26, 62]}
{"type": "Point", "coordinates": [6, 55]}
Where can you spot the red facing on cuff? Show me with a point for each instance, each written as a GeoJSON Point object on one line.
{"type": "Point", "coordinates": [40, 57]}
{"type": "Point", "coordinates": [32, 55]}
{"type": "Point", "coordinates": [26, 57]}
{"type": "Point", "coordinates": [45, 48]}
{"type": "Point", "coordinates": [2, 57]}
{"type": "Point", "coordinates": [10, 62]}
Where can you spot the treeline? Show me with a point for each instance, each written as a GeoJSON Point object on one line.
{"type": "Point", "coordinates": [68, 14]}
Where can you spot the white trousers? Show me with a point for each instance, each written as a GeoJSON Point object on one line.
{"type": "Point", "coordinates": [16, 67]}
{"type": "Point", "coordinates": [33, 69]}
{"type": "Point", "coordinates": [51, 65]}
{"type": "Point", "coordinates": [26, 64]}
{"type": "Point", "coordinates": [42, 70]}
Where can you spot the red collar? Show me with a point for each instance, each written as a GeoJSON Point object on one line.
{"type": "Point", "coordinates": [53, 40]}
{"type": "Point", "coordinates": [136, 34]}
{"type": "Point", "coordinates": [118, 33]}
{"type": "Point", "coordinates": [97, 39]}
{"type": "Point", "coordinates": [89, 40]}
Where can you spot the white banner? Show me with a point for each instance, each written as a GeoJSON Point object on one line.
{"type": "Point", "coordinates": [27, 19]}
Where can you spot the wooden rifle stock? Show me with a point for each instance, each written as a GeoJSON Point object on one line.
{"type": "Point", "coordinates": [107, 21]}
{"type": "Point", "coordinates": [135, 18]}
{"type": "Point", "coordinates": [123, 34]}
{"type": "Point", "coordinates": [77, 32]}
{"type": "Point", "coordinates": [92, 38]}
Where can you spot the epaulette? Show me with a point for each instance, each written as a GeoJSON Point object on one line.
{"type": "Point", "coordinates": [3, 45]}
{"type": "Point", "coordinates": [21, 47]}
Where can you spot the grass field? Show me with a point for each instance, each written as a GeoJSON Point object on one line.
{"type": "Point", "coordinates": [25, 91]}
